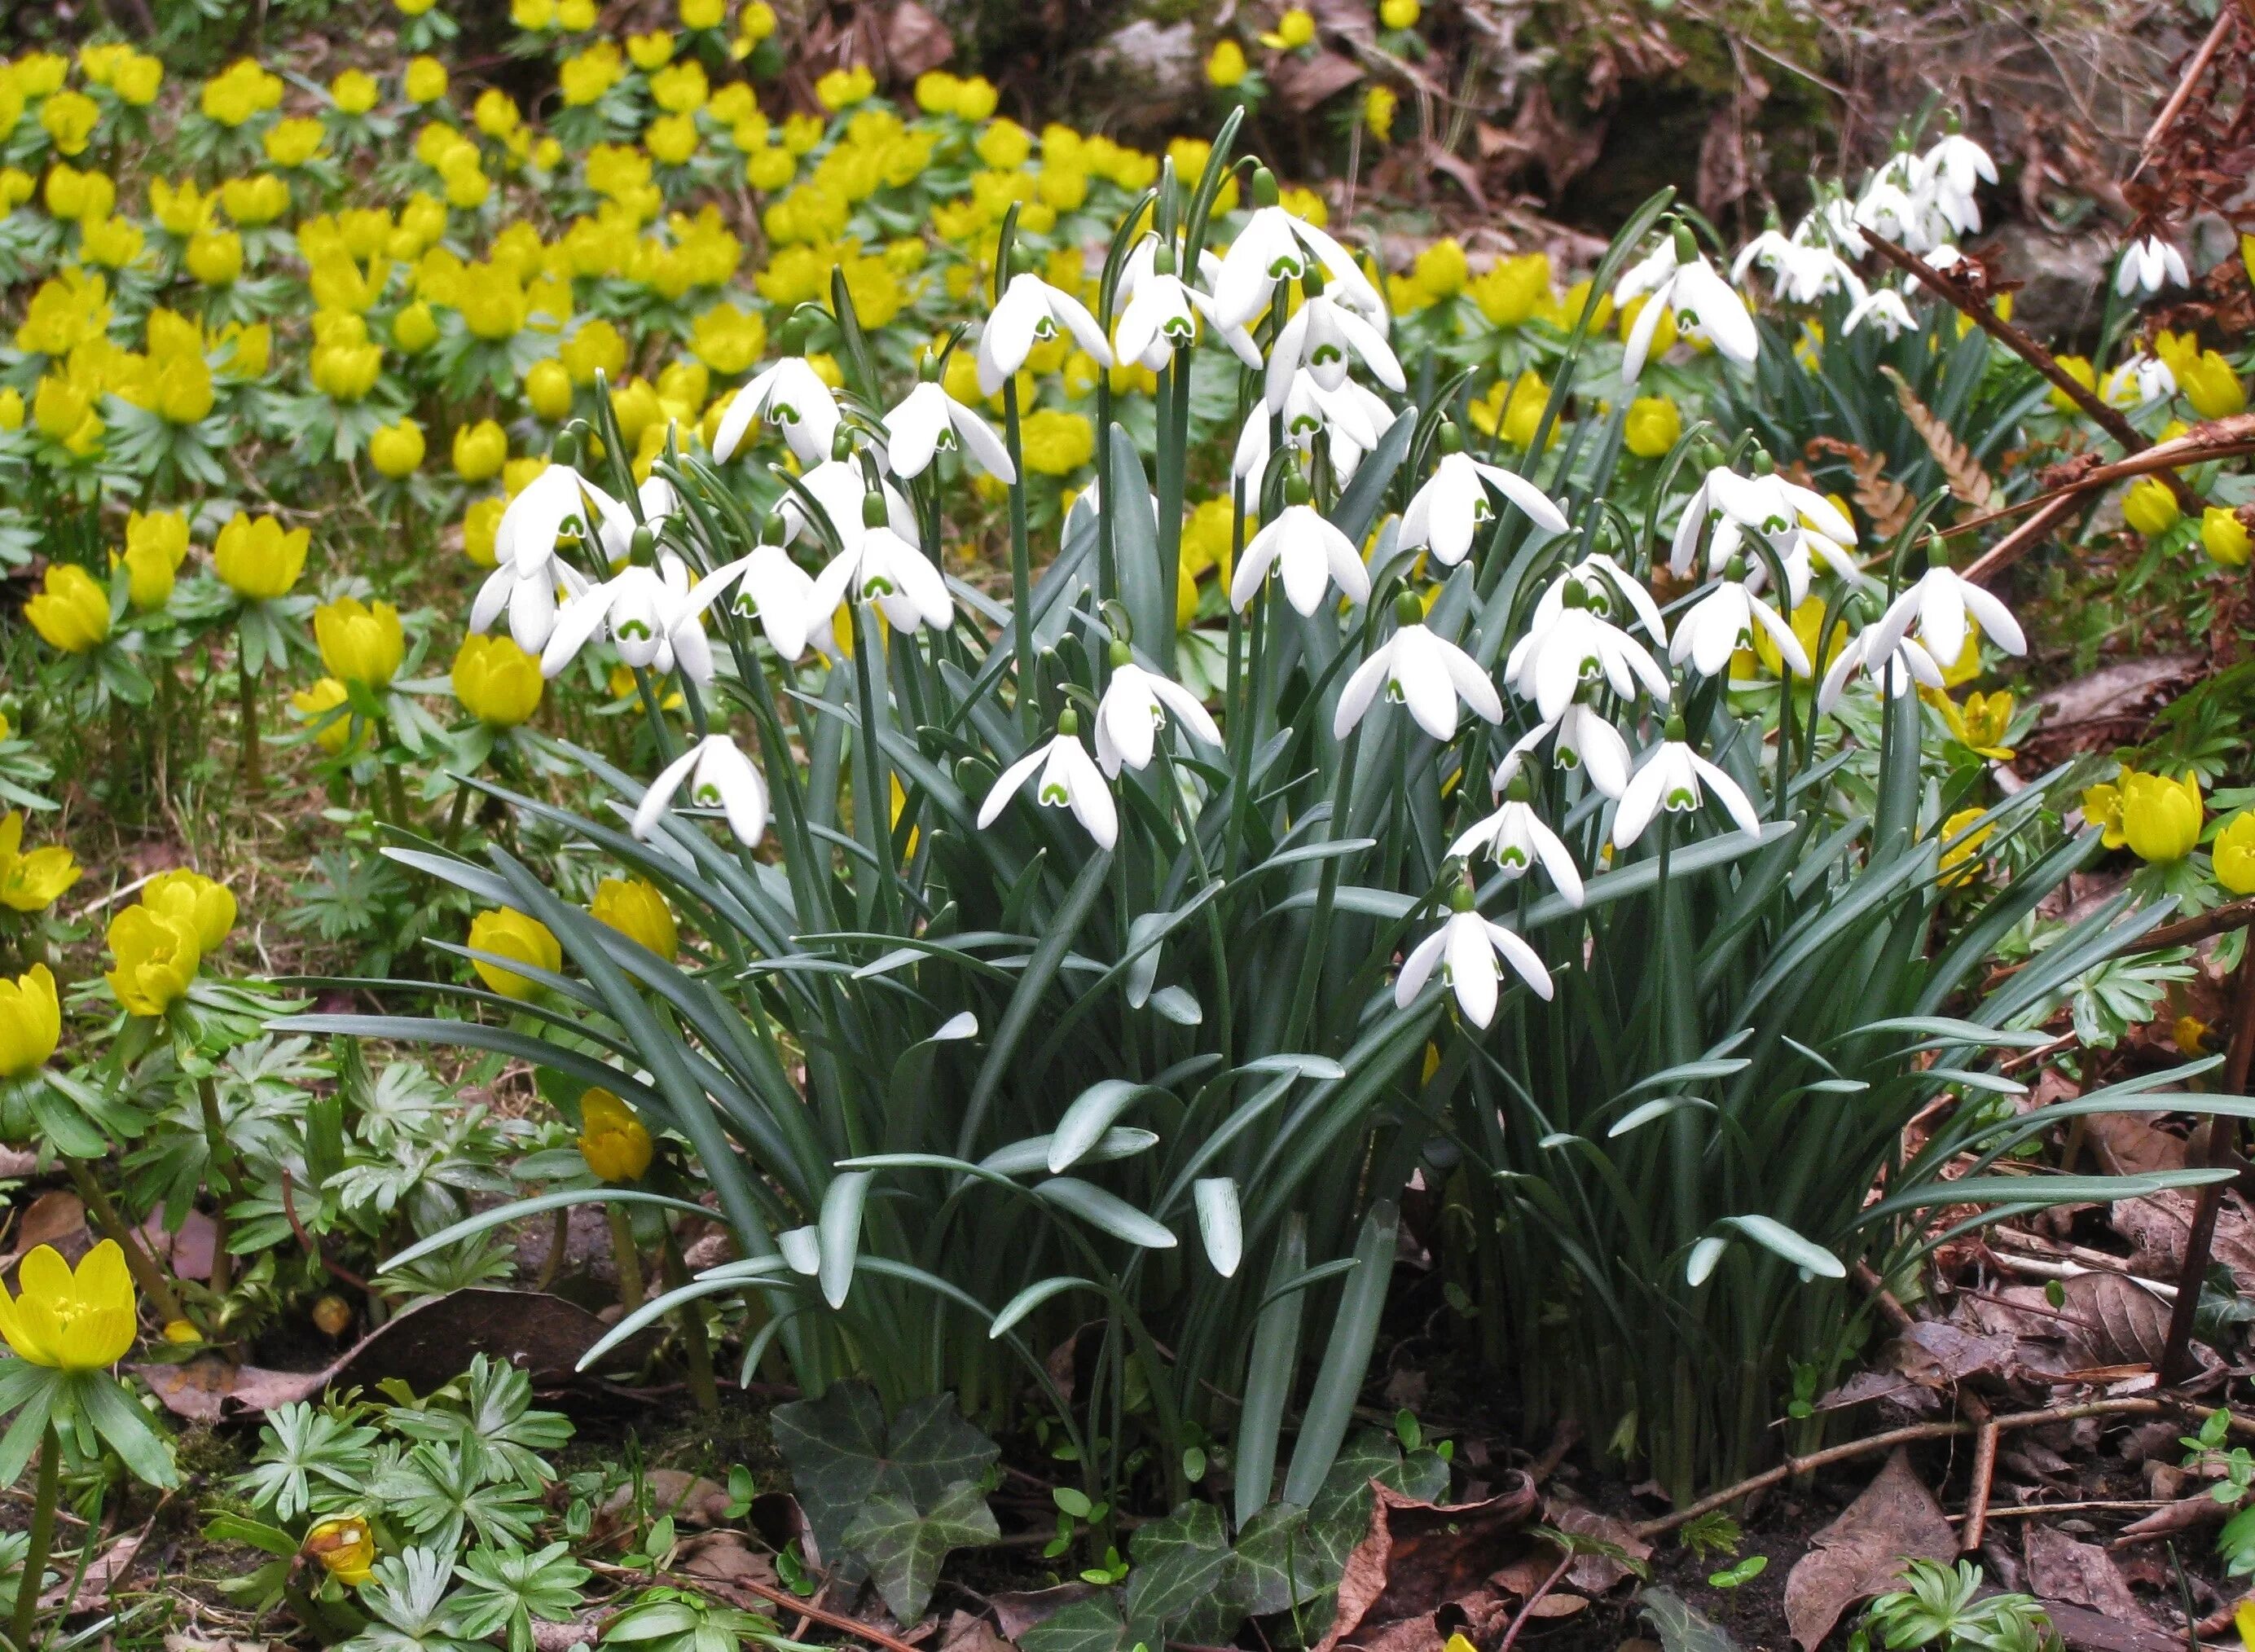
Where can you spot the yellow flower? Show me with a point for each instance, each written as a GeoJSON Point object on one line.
{"type": "Point", "coordinates": [139, 79]}
{"type": "Point", "coordinates": [71, 1321]}
{"type": "Point", "coordinates": [1057, 443]}
{"type": "Point", "coordinates": [577, 15]}
{"type": "Point", "coordinates": [508, 933]}
{"type": "Point", "coordinates": [703, 14]}
{"type": "Point", "coordinates": [353, 92]}
{"type": "Point", "coordinates": [426, 80]}
{"type": "Point", "coordinates": [2079, 369]}
{"type": "Point", "coordinates": [2234, 854]}
{"type": "Point", "coordinates": [1225, 65]}
{"type": "Point", "coordinates": [313, 704]}
{"type": "Point", "coordinates": [842, 88]}
{"type": "Point", "coordinates": [360, 642]}
{"type": "Point", "coordinates": [651, 50]}
{"type": "Point", "coordinates": [1294, 30]}
{"type": "Point", "coordinates": [256, 559]}
{"type": "Point", "coordinates": [72, 613]}
{"type": "Point", "coordinates": [70, 118]}
{"type": "Point", "coordinates": [612, 1140]}
{"type": "Point", "coordinates": [1378, 106]}
{"type": "Point", "coordinates": [1399, 14]}
{"type": "Point", "coordinates": [214, 256]}
{"type": "Point", "coordinates": [396, 450]}
{"type": "Point", "coordinates": [155, 545]}
{"type": "Point", "coordinates": [2160, 817]}
{"type": "Point", "coordinates": [480, 451]}
{"type": "Point", "coordinates": [495, 113]}
{"type": "Point", "coordinates": [2102, 807]}
{"type": "Point", "coordinates": [66, 412]}
{"type": "Point", "coordinates": [532, 16]}
{"type": "Point", "coordinates": [481, 526]}
{"type": "Point", "coordinates": [1980, 723]}
{"type": "Point", "coordinates": [1808, 618]}
{"type": "Point", "coordinates": [206, 905]}
{"type": "Point", "coordinates": [11, 409]}
{"type": "Point", "coordinates": [2210, 385]}
{"type": "Point", "coordinates": [498, 682]}
{"type": "Point", "coordinates": [634, 907]}
{"type": "Point", "coordinates": [415, 329]}
{"type": "Point", "coordinates": [2224, 537]}
{"type": "Point", "coordinates": [346, 1549]}
{"type": "Point", "coordinates": [31, 882]}
{"type": "Point", "coordinates": [1956, 871]}
{"type": "Point", "coordinates": [31, 1021]}
{"type": "Point", "coordinates": [2190, 1035]}
{"type": "Point", "coordinates": [293, 141]}
{"type": "Point", "coordinates": [2149, 507]}
{"type": "Point", "coordinates": [1654, 423]}
{"type": "Point", "coordinates": [548, 389]}
{"type": "Point", "coordinates": [157, 955]}
{"type": "Point", "coordinates": [1440, 270]}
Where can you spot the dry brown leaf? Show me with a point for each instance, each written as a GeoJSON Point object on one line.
{"type": "Point", "coordinates": [723, 1557]}
{"type": "Point", "coordinates": [1895, 1519]}
{"type": "Point", "coordinates": [1967, 480]}
{"type": "Point", "coordinates": [966, 1632]}
{"type": "Point", "coordinates": [1419, 1557]}
{"type": "Point", "coordinates": [2060, 1568]}
{"type": "Point", "coordinates": [103, 1573]}
{"type": "Point", "coordinates": [1885, 503]}
{"type": "Point", "coordinates": [2128, 1145]}
{"type": "Point", "coordinates": [1595, 1573]}
{"type": "Point", "coordinates": [2112, 1320]}
{"type": "Point", "coordinates": [1018, 1610]}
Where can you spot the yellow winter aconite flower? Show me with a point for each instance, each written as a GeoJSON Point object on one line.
{"type": "Point", "coordinates": [1224, 64]}
{"type": "Point", "coordinates": [2079, 369]}
{"type": "Point", "coordinates": [257, 558]}
{"type": "Point", "coordinates": [32, 882]}
{"type": "Point", "coordinates": [2209, 384]}
{"type": "Point", "coordinates": [1980, 723]}
{"type": "Point", "coordinates": [2149, 507]}
{"type": "Point", "coordinates": [414, 329]}
{"type": "Point", "coordinates": [206, 905]}
{"type": "Point", "coordinates": [548, 390]}
{"type": "Point", "coordinates": [634, 907]}
{"type": "Point", "coordinates": [508, 933]}
{"type": "Point", "coordinates": [1654, 425]}
{"type": "Point", "coordinates": [1399, 14]}
{"type": "Point", "coordinates": [426, 80]}
{"type": "Point", "coordinates": [2160, 817]}
{"type": "Point", "coordinates": [155, 545]}
{"type": "Point", "coordinates": [157, 954]}
{"type": "Point", "coordinates": [75, 196]}
{"type": "Point", "coordinates": [72, 611]}
{"type": "Point", "coordinates": [498, 682]}
{"type": "Point", "coordinates": [1294, 30]}
{"type": "Point", "coordinates": [480, 451]}
{"type": "Point", "coordinates": [66, 1320]}
{"type": "Point", "coordinates": [293, 141]}
{"type": "Point", "coordinates": [259, 198]}
{"type": "Point", "coordinates": [139, 79]}
{"type": "Point", "coordinates": [314, 704]}
{"type": "Point", "coordinates": [360, 641]}
{"type": "Point", "coordinates": [1954, 865]}
{"type": "Point", "coordinates": [70, 118]}
{"type": "Point", "coordinates": [1057, 443]}
{"type": "Point", "coordinates": [214, 256]}
{"type": "Point", "coordinates": [842, 88]}
{"type": "Point", "coordinates": [354, 92]}
{"type": "Point", "coordinates": [481, 527]}
{"type": "Point", "coordinates": [2224, 537]}
{"type": "Point", "coordinates": [31, 1021]}
{"type": "Point", "coordinates": [346, 1548]}
{"type": "Point", "coordinates": [614, 1142]}
{"type": "Point", "coordinates": [1379, 105]}
{"type": "Point", "coordinates": [2233, 851]}
{"type": "Point", "coordinates": [703, 14]}
{"type": "Point", "coordinates": [396, 450]}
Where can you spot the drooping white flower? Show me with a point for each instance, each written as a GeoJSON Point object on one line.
{"type": "Point", "coordinates": [1029, 312]}
{"type": "Point", "coordinates": [769, 584]}
{"type": "Point", "coordinates": [1444, 515]}
{"type": "Point", "coordinates": [842, 490]}
{"type": "Point", "coordinates": [1721, 622]}
{"type": "Point", "coordinates": [1465, 948]}
{"type": "Point", "coordinates": [1883, 307]}
{"type": "Point", "coordinates": [1669, 777]}
{"type": "Point", "coordinates": [1937, 604]}
{"type": "Point", "coordinates": [1351, 418]}
{"type": "Point", "coordinates": [2139, 382]}
{"type": "Point", "coordinates": [1418, 668]}
{"type": "Point", "coordinates": [790, 394]}
{"type": "Point", "coordinates": [1958, 165]}
{"type": "Point", "coordinates": [927, 419]}
{"type": "Point", "coordinates": [1584, 743]}
{"type": "Point", "coordinates": [1555, 659]}
{"type": "Point", "coordinates": [719, 777]}
{"type": "Point", "coordinates": [1275, 246]}
{"type": "Point", "coordinates": [1677, 279]}
{"type": "Point", "coordinates": [1135, 703]}
{"type": "Point", "coordinates": [1070, 779]}
{"type": "Point", "coordinates": [1317, 340]}
{"type": "Point", "coordinates": [655, 500]}
{"type": "Point", "coordinates": [1897, 670]}
{"type": "Point", "coordinates": [527, 570]}
{"type": "Point", "coordinates": [1515, 837]}
{"type": "Point", "coordinates": [2148, 265]}
{"type": "Point", "coordinates": [1310, 550]}
{"type": "Point", "coordinates": [1766, 503]}
{"type": "Point", "coordinates": [1159, 310]}
{"type": "Point", "coordinates": [1801, 271]}
{"type": "Point", "coordinates": [878, 565]}
{"type": "Point", "coordinates": [652, 617]}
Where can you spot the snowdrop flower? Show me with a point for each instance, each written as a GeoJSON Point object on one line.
{"type": "Point", "coordinates": [526, 569]}
{"type": "Point", "coordinates": [1836, 217]}
{"type": "Point", "coordinates": [1669, 777]}
{"type": "Point", "coordinates": [655, 500]}
{"type": "Point", "coordinates": [1801, 271]}
{"type": "Point", "coordinates": [842, 490]}
{"type": "Point", "coordinates": [1885, 306]}
{"type": "Point", "coordinates": [1311, 551]}
{"type": "Point", "coordinates": [1030, 312]}
{"type": "Point", "coordinates": [1467, 947]}
{"type": "Point", "coordinates": [1421, 670]}
{"type": "Point", "coordinates": [790, 393]}
{"type": "Point", "coordinates": [1069, 780]}
{"type": "Point", "coordinates": [1343, 414]}
{"type": "Point", "coordinates": [2148, 265]}
{"type": "Point", "coordinates": [1573, 646]}
{"type": "Point", "coordinates": [1517, 838]}
{"type": "Point", "coordinates": [1275, 246]}
{"type": "Point", "coordinates": [1317, 339]}
{"type": "Point", "coordinates": [1448, 510]}
{"type": "Point", "coordinates": [1937, 604]}
{"type": "Point", "coordinates": [927, 419]}
{"type": "Point", "coordinates": [652, 617]}
{"type": "Point", "coordinates": [1956, 166]}
{"type": "Point", "coordinates": [1135, 703]}
{"type": "Point", "coordinates": [719, 777]}
{"type": "Point", "coordinates": [879, 565]}
{"type": "Point", "coordinates": [2140, 383]}
{"type": "Point", "coordinates": [769, 584]}
{"type": "Point", "coordinates": [1677, 278]}
{"type": "Point", "coordinates": [1722, 620]}
{"type": "Point", "coordinates": [1159, 323]}
{"type": "Point", "coordinates": [1584, 743]}
{"type": "Point", "coordinates": [1897, 668]}
{"type": "Point", "coordinates": [1766, 503]}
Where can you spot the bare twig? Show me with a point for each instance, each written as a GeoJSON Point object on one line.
{"type": "Point", "coordinates": [2017, 1511]}
{"type": "Point", "coordinates": [2216, 1153]}
{"type": "Point", "coordinates": [2195, 71]}
{"type": "Point", "coordinates": [1527, 1612]}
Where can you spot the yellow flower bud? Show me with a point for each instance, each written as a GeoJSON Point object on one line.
{"type": "Point", "coordinates": [508, 933]}
{"type": "Point", "coordinates": [2224, 537]}
{"type": "Point", "coordinates": [214, 256]}
{"type": "Point", "coordinates": [315, 704]}
{"type": "Point", "coordinates": [206, 905]}
{"type": "Point", "coordinates": [256, 559]}
{"type": "Point", "coordinates": [614, 1142]}
{"type": "Point", "coordinates": [396, 450]}
{"type": "Point", "coordinates": [548, 388]}
{"type": "Point", "coordinates": [32, 882]}
{"type": "Point", "coordinates": [2160, 817]}
{"type": "Point", "coordinates": [31, 1021]}
{"type": "Point", "coordinates": [360, 642]}
{"type": "Point", "coordinates": [1224, 64]}
{"type": "Point", "coordinates": [426, 80]}
{"type": "Point", "coordinates": [1654, 425]}
{"type": "Point", "coordinates": [2149, 507]}
{"type": "Point", "coordinates": [353, 92]}
{"type": "Point", "coordinates": [415, 329]}
{"type": "Point", "coordinates": [72, 611]}
{"type": "Point", "coordinates": [480, 451]}
{"type": "Point", "coordinates": [634, 907]}
{"type": "Point", "coordinates": [2210, 385]}
{"type": "Point", "coordinates": [498, 682]}
{"type": "Point", "coordinates": [157, 955]}
{"type": "Point", "coordinates": [345, 1547]}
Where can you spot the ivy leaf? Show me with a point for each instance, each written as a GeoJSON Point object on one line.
{"type": "Point", "coordinates": [1292, 1555]}
{"type": "Point", "coordinates": [1093, 1625]}
{"type": "Point", "coordinates": [1188, 1585]}
{"type": "Point", "coordinates": [905, 1548]}
{"type": "Point", "coordinates": [842, 1456]}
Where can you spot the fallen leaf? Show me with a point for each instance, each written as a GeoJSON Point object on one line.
{"type": "Point", "coordinates": [1595, 1573]}
{"type": "Point", "coordinates": [55, 1218]}
{"type": "Point", "coordinates": [1018, 1610]}
{"type": "Point", "coordinates": [966, 1632]}
{"type": "Point", "coordinates": [2112, 1320]}
{"type": "Point", "coordinates": [1418, 1557]}
{"type": "Point", "coordinates": [2128, 1145]}
{"type": "Point", "coordinates": [690, 1499]}
{"type": "Point", "coordinates": [1895, 1519]}
{"type": "Point", "coordinates": [2060, 1568]}
{"type": "Point", "coordinates": [1681, 1627]}
{"type": "Point", "coordinates": [2181, 1516]}
{"type": "Point", "coordinates": [1557, 1604]}
{"type": "Point", "coordinates": [915, 40]}
{"type": "Point", "coordinates": [1301, 84]}
{"type": "Point", "coordinates": [723, 1557]}
{"type": "Point", "coordinates": [103, 1573]}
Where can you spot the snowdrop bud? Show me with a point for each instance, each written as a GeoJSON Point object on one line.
{"type": "Point", "coordinates": [1312, 280]}
{"type": "Point", "coordinates": [1759, 461]}
{"type": "Point", "coordinates": [1021, 260]}
{"type": "Point", "coordinates": [1576, 595]}
{"type": "Point", "coordinates": [928, 367]}
{"type": "Point", "coordinates": [1407, 610]}
{"type": "Point", "coordinates": [1519, 791]}
{"type": "Point", "coordinates": [1735, 569]}
{"type": "Point", "coordinates": [1265, 192]}
{"type": "Point", "coordinates": [790, 337]}
{"type": "Point", "coordinates": [841, 447]}
{"type": "Point", "coordinates": [1163, 260]}
{"type": "Point", "coordinates": [774, 530]}
{"type": "Point", "coordinates": [565, 448]}
{"type": "Point", "coordinates": [1460, 898]}
{"type": "Point", "coordinates": [1937, 554]}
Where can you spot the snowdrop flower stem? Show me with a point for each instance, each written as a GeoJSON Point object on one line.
{"type": "Point", "coordinates": [1022, 567]}
{"type": "Point", "coordinates": [876, 778]}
